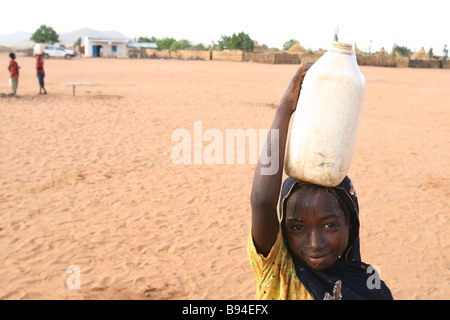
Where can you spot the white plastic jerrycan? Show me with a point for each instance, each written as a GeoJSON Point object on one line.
{"type": "Point", "coordinates": [327, 119]}
{"type": "Point", "coordinates": [38, 49]}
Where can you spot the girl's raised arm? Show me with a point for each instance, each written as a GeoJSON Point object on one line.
{"type": "Point", "coordinates": [268, 174]}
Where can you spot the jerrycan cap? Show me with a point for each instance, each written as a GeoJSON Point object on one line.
{"type": "Point", "coordinates": [343, 48]}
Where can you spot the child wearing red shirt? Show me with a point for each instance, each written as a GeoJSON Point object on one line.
{"type": "Point", "coordinates": [14, 71]}
{"type": "Point", "coordinates": [40, 73]}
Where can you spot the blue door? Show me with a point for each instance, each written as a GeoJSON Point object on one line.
{"type": "Point", "coordinates": [96, 50]}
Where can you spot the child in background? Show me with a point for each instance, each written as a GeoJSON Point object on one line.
{"type": "Point", "coordinates": [313, 252]}
{"type": "Point", "coordinates": [13, 68]}
{"type": "Point", "coordinates": [40, 73]}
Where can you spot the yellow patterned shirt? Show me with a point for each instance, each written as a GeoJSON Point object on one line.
{"type": "Point", "coordinates": [275, 274]}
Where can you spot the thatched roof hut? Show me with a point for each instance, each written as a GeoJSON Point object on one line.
{"type": "Point", "coordinates": [357, 51]}
{"type": "Point", "coordinates": [421, 55]}
{"type": "Point", "coordinates": [296, 48]}
{"type": "Point", "coordinates": [394, 52]}
{"type": "Point", "coordinates": [257, 48]}
{"type": "Point", "coordinates": [382, 52]}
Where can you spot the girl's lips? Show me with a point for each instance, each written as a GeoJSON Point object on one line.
{"type": "Point", "coordinates": [317, 259]}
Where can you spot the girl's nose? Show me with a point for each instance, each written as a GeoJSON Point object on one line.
{"type": "Point", "coordinates": [316, 241]}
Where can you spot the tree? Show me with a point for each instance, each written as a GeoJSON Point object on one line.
{"type": "Point", "coordinates": [200, 46]}
{"type": "Point", "coordinates": [241, 41]}
{"type": "Point", "coordinates": [336, 33]}
{"type": "Point", "coordinates": [77, 43]}
{"type": "Point", "coordinates": [430, 53]}
{"type": "Point", "coordinates": [445, 54]}
{"type": "Point", "coordinates": [165, 43]}
{"type": "Point", "coordinates": [403, 51]}
{"type": "Point", "coordinates": [146, 39]}
{"type": "Point", "coordinates": [288, 44]}
{"type": "Point", "coordinates": [180, 45]}
{"type": "Point", "coordinates": [45, 34]}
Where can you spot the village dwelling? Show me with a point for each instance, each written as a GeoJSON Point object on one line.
{"type": "Point", "coordinates": [105, 47]}
{"type": "Point", "coordinates": [141, 49]}
{"type": "Point", "coordinates": [421, 55]}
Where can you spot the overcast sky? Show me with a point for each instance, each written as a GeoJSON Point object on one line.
{"type": "Point", "coordinates": [375, 24]}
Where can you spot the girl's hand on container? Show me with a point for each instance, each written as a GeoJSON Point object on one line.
{"type": "Point", "coordinates": [290, 98]}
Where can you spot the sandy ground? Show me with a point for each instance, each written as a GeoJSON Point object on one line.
{"type": "Point", "coordinates": [89, 181]}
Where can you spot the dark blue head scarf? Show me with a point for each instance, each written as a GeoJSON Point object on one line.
{"type": "Point", "coordinates": [359, 281]}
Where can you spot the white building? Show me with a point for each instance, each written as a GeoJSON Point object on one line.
{"type": "Point", "coordinates": [105, 47]}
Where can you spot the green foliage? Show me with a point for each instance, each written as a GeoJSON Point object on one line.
{"type": "Point", "coordinates": [430, 53]}
{"type": "Point", "coordinates": [77, 43]}
{"type": "Point", "coordinates": [241, 41]}
{"type": "Point", "coordinates": [45, 34]}
{"type": "Point", "coordinates": [146, 39]}
{"type": "Point", "coordinates": [180, 45]}
{"type": "Point", "coordinates": [165, 43]}
{"type": "Point", "coordinates": [403, 51]}
{"type": "Point", "coordinates": [288, 44]}
{"type": "Point", "coordinates": [171, 43]}
{"type": "Point", "coordinates": [200, 46]}
{"type": "Point", "coordinates": [445, 54]}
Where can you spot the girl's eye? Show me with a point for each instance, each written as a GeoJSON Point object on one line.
{"type": "Point", "coordinates": [330, 225]}
{"type": "Point", "coordinates": [297, 227]}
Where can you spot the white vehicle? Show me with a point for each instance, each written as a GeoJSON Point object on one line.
{"type": "Point", "coordinates": [51, 50]}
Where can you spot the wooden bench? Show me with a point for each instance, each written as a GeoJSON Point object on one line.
{"type": "Point", "coordinates": [74, 84]}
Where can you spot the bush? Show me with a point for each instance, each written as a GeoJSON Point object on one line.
{"type": "Point", "coordinates": [180, 45]}
{"type": "Point", "coordinates": [171, 43]}
{"type": "Point", "coordinates": [403, 51]}
{"type": "Point", "coordinates": [147, 39]}
{"type": "Point", "coordinates": [165, 43]}
{"type": "Point", "coordinates": [241, 41]}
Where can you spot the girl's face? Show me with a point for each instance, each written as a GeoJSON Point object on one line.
{"type": "Point", "coordinates": [316, 228]}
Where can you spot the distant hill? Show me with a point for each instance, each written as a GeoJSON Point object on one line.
{"type": "Point", "coordinates": [5, 38]}
{"type": "Point", "coordinates": [21, 40]}
{"type": "Point", "coordinates": [69, 38]}
{"type": "Point", "coordinates": [20, 44]}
